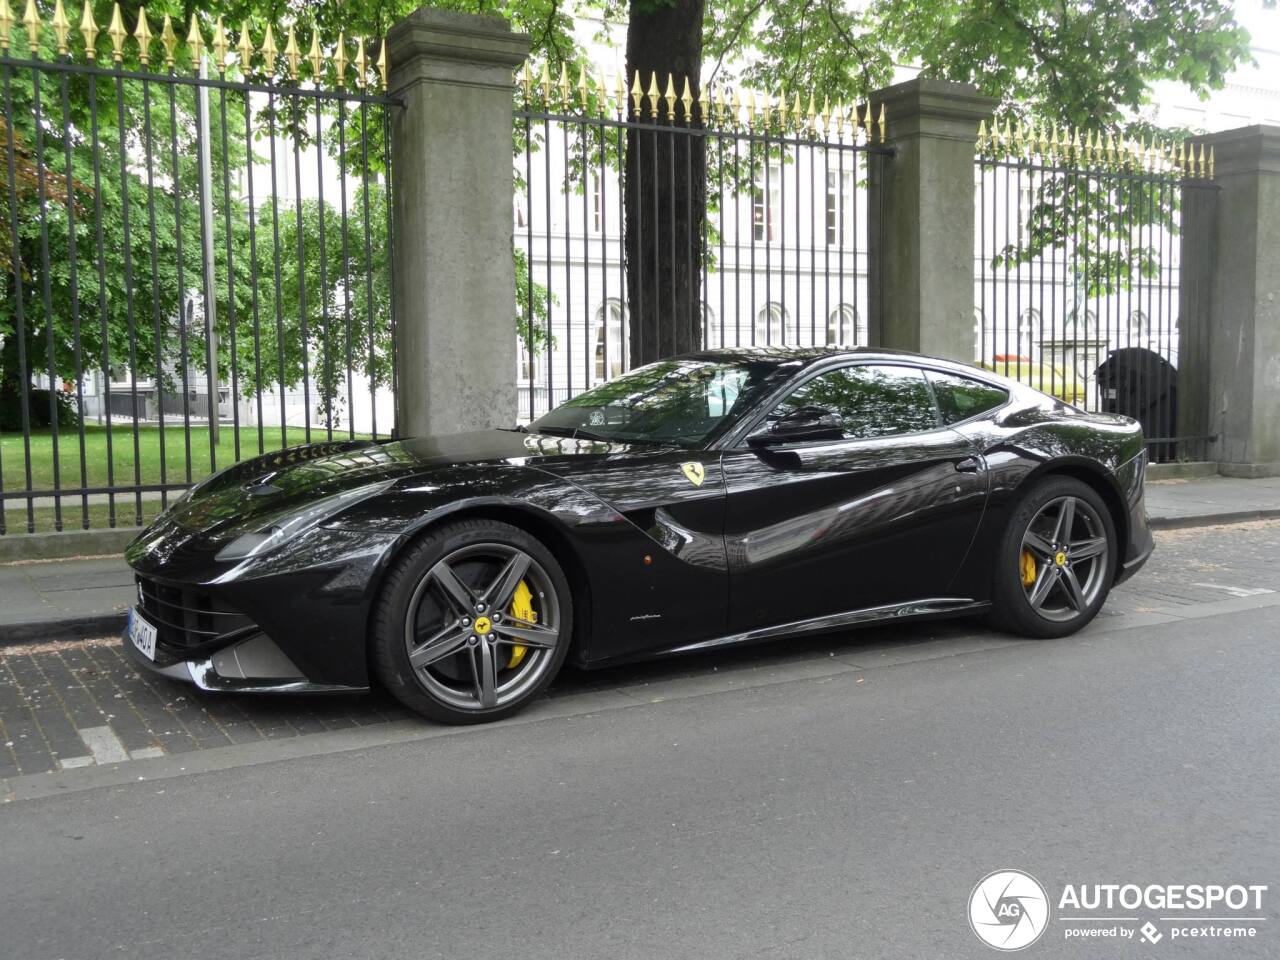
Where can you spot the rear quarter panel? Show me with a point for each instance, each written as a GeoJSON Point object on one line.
{"type": "Point", "coordinates": [1035, 436]}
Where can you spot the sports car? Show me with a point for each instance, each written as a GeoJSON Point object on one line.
{"type": "Point", "coordinates": [719, 498]}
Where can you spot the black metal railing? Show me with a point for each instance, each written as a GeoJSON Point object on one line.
{"type": "Point", "coordinates": [195, 262]}
{"type": "Point", "coordinates": [651, 223]}
{"type": "Point", "coordinates": [1077, 272]}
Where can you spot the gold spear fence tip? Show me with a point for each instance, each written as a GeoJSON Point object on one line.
{"type": "Point", "coordinates": [168, 40]}
{"type": "Point", "coordinates": [383, 64]}
{"type": "Point", "coordinates": [315, 57]}
{"type": "Point", "coordinates": [61, 27]}
{"type": "Point", "coordinates": [88, 30]}
{"type": "Point", "coordinates": [117, 33]}
{"type": "Point", "coordinates": [245, 48]}
{"type": "Point", "coordinates": [292, 55]}
{"type": "Point", "coordinates": [142, 33]}
{"type": "Point", "coordinates": [7, 21]}
{"type": "Point", "coordinates": [220, 45]}
{"type": "Point", "coordinates": [340, 60]}
{"type": "Point", "coordinates": [32, 20]}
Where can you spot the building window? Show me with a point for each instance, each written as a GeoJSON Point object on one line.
{"type": "Point", "coordinates": [842, 326]}
{"type": "Point", "coordinates": [521, 219]}
{"type": "Point", "coordinates": [765, 200]}
{"type": "Point", "coordinates": [711, 333]}
{"type": "Point", "coordinates": [839, 207]}
{"type": "Point", "coordinates": [1024, 215]}
{"type": "Point", "coordinates": [611, 340]}
{"type": "Point", "coordinates": [528, 369]}
{"type": "Point", "coordinates": [1028, 330]}
{"type": "Point", "coordinates": [1078, 328]}
{"type": "Point", "coordinates": [771, 324]}
{"type": "Point", "coordinates": [1139, 326]}
{"type": "Point", "coordinates": [597, 204]}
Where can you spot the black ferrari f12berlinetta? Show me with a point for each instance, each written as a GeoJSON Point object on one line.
{"type": "Point", "coordinates": [718, 498]}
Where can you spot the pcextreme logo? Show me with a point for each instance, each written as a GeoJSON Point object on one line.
{"type": "Point", "coordinates": [1008, 910]}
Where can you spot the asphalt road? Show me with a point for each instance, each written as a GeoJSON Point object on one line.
{"type": "Point", "coordinates": [839, 801]}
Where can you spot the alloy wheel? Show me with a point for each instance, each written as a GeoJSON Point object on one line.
{"type": "Point", "coordinates": [482, 626]}
{"type": "Point", "coordinates": [1064, 559]}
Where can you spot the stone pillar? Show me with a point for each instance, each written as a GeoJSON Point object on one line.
{"type": "Point", "coordinates": [454, 282]}
{"type": "Point", "coordinates": [920, 206]}
{"type": "Point", "coordinates": [1243, 335]}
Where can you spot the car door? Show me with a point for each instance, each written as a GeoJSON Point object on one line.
{"type": "Point", "coordinates": [883, 514]}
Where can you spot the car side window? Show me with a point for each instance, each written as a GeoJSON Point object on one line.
{"type": "Point", "coordinates": [960, 398]}
{"type": "Point", "coordinates": [871, 400]}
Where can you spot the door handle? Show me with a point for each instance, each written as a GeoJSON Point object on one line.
{"type": "Point", "coordinates": [969, 465]}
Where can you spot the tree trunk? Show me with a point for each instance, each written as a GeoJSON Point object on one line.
{"type": "Point", "coordinates": [665, 184]}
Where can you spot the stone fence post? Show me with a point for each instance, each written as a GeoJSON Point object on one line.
{"type": "Point", "coordinates": [1229, 304]}
{"type": "Point", "coordinates": [921, 218]}
{"type": "Point", "coordinates": [454, 284]}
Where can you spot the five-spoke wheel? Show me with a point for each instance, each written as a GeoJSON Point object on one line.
{"type": "Point", "coordinates": [483, 611]}
{"type": "Point", "coordinates": [1057, 561]}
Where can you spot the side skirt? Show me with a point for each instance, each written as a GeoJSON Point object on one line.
{"type": "Point", "coordinates": [915, 609]}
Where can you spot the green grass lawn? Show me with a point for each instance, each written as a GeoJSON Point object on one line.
{"type": "Point", "coordinates": [127, 469]}
{"type": "Point", "coordinates": [73, 515]}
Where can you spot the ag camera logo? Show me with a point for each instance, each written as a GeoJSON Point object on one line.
{"type": "Point", "coordinates": [1008, 910]}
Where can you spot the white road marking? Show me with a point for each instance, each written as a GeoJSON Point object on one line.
{"type": "Point", "coordinates": [1235, 591]}
{"type": "Point", "coordinates": [103, 744]}
{"type": "Point", "coordinates": [66, 763]}
{"type": "Point", "coordinates": [146, 753]}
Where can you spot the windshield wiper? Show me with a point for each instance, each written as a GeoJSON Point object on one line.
{"type": "Point", "coordinates": [574, 433]}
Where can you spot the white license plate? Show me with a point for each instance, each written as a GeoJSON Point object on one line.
{"type": "Point", "coordinates": [142, 634]}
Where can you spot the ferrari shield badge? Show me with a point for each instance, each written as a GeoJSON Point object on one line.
{"type": "Point", "coordinates": [694, 472]}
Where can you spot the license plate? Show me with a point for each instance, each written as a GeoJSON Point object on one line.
{"type": "Point", "coordinates": [142, 634]}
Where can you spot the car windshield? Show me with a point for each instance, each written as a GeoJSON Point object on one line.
{"type": "Point", "coordinates": [682, 402]}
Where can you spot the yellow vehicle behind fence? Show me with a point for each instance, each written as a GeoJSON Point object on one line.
{"type": "Point", "coordinates": [1046, 377]}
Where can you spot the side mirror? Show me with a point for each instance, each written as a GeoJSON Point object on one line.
{"type": "Point", "coordinates": [802, 423]}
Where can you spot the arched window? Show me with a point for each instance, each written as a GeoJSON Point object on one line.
{"type": "Point", "coordinates": [611, 340]}
{"type": "Point", "coordinates": [771, 324]}
{"type": "Point", "coordinates": [1139, 326]}
{"type": "Point", "coordinates": [843, 326]}
{"type": "Point", "coordinates": [710, 328]}
{"type": "Point", "coordinates": [1080, 327]}
{"type": "Point", "coordinates": [1028, 330]}
{"type": "Point", "coordinates": [979, 332]}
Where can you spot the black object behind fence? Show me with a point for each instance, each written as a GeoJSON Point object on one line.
{"type": "Point", "coordinates": [195, 268]}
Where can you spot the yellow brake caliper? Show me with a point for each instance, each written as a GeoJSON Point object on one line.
{"type": "Point", "coordinates": [522, 609]}
{"type": "Point", "coordinates": [1028, 566]}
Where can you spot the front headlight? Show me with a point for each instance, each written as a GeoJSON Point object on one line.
{"type": "Point", "coordinates": [281, 531]}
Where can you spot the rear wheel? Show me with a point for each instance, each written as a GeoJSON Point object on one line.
{"type": "Point", "coordinates": [1057, 560]}
{"type": "Point", "coordinates": [473, 622]}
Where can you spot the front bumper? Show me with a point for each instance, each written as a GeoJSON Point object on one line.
{"type": "Point", "coordinates": [243, 667]}
{"type": "Point", "coordinates": [1139, 544]}
{"type": "Point", "coordinates": [293, 620]}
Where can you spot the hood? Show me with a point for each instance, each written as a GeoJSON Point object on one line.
{"type": "Point", "coordinates": [256, 492]}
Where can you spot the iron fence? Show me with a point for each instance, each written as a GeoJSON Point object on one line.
{"type": "Point", "coordinates": [196, 258]}
{"type": "Point", "coordinates": [1077, 272]}
{"type": "Point", "coordinates": [658, 218]}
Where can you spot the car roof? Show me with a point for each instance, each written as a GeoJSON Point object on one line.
{"type": "Point", "coordinates": [805, 356]}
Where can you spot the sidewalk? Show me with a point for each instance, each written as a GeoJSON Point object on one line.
{"type": "Point", "coordinates": [71, 599]}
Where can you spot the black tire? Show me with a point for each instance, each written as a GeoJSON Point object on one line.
{"type": "Point", "coordinates": [436, 689]}
{"type": "Point", "coordinates": [1063, 608]}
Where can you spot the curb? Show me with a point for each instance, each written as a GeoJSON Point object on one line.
{"type": "Point", "coordinates": [65, 628]}
{"type": "Point", "coordinates": [1211, 519]}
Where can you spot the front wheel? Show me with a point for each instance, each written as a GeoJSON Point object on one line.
{"type": "Point", "coordinates": [473, 622]}
{"type": "Point", "coordinates": [1057, 560]}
